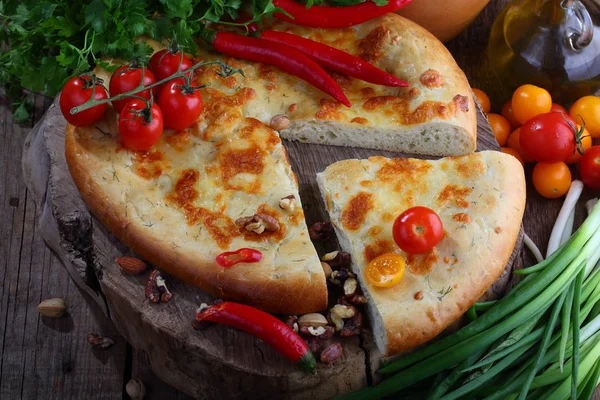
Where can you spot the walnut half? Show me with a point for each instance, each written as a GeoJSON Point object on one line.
{"type": "Point", "coordinates": [258, 223]}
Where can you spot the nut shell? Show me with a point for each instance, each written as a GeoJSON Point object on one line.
{"type": "Point", "coordinates": [53, 308]}
{"type": "Point", "coordinates": [131, 265]}
{"type": "Point", "coordinates": [135, 389]}
{"type": "Point", "coordinates": [314, 320]}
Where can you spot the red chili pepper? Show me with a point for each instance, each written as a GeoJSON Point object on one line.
{"type": "Point", "coordinates": [334, 17]}
{"type": "Point", "coordinates": [244, 255]}
{"type": "Point", "coordinates": [332, 58]}
{"type": "Point", "coordinates": [283, 57]}
{"type": "Point", "coordinates": [263, 326]}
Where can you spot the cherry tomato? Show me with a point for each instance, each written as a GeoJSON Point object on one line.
{"type": "Point", "coordinates": [587, 109]}
{"type": "Point", "coordinates": [551, 180]}
{"type": "Point", "coordinates": [585, 144]}
{"type": "Point", "coordinates": [513, 153]}
{"type": "Point", "coordinates": [558, 108]}
{"type": "Point", "coordinates": [166, 62]}
{"type": "Point", "coordinates": [529, 101]}
{"type": "Point", "coordinates": [589, 168]}
{"type": "Point", "coordinates": [548, 137]}
{"type": "Point", "coordinates": [500, 127]}
{"type": "Point", "coordinates": [181, 104]}
{"type": "Point", "coordinates": [139, 126]}
{"type": "Point", "coordinates": [77, 91]}
{"type": "Point", "coordinates": [483, 99]}
{"type": "Point", "coordinates": [127, 78]}
{"type": "Point", "coordinates": [386, 270]}
{"type": "Point", "coordinates": [513, 143]}
{"type": "Point", "coordinates": [417, 230]}
{"type": "Point", "coordinates": [507, 112]}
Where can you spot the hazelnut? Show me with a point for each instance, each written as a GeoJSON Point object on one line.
{"type": "Point", "coordinates": [135, 389]}
{"type": "Point", "coordinates": [53, 308]}
{"type": "Point", "coordinates": [340, 312]}
{"type": "Point", "coordinates": [131, 265]}
{"type": "Point", "coordinates": [288, 203]}
{"type": "Point", "coordinates": [326, 270]}
{"type": "Point", "coordinates": [314, 320]}
{"type": "Point", "coordinates": [279, 122]}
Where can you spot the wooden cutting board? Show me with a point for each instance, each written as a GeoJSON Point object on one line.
{"type": "Point", "coordinates": [219, 362]}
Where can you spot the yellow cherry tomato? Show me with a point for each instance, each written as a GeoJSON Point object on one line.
{"type": "Point", "coordinates": [507, 112]}
{"type": "Point", "coordinates": [386, 270]}
{"type": "Point", "coordinates": [587, 109]}
{"type": "Point", "coordinates": [586, 143]}
{"type": "Point", "coordinates": [529, 101]}
{"type": "Point", "coordinates": [551, 180]}
{"type": "Point", "coordinates": [500, 127]}
{"type": "Point", "coordinates": [483, 99]}
{"type": "Point", "coordinates": [513, 153]}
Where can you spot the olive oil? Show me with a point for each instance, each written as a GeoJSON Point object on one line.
{"type": "Point", "coordinates": [554, 44]}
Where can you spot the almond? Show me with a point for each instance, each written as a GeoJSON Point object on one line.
{"type": "Point", "coordinates": [131, 265]}
{"type": "Point", "coordinates": [53, 308]}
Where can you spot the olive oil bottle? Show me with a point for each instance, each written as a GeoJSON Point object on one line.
{"type": "Point", "coordinates": [554, 44]}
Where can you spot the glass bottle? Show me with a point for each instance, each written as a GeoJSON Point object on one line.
{"type": "Point", "coordinates": [554, 44]}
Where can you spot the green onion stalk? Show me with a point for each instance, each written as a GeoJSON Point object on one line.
{"type": "Point", "coordinates": [541, 340]}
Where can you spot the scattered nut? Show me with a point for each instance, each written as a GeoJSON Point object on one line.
{"type": "Point", "coordinates": [330, 256]}
{"type": "Point", "coordinates": [279, 122]}
{"type": "Point", "coordinates": [331, 353]}
{"type": "Point", "coordinates": [258, 223]}
{"type": "Point", "coordinates": [315, 344]}
{"type": "Point", "coordinates": [288, 203]}
{"type": "Point", "coordinates": [316, 331]}
{"type": "Point", "coordinates": [98, 341]}
{"type": "Point", "coordinates": [135, 389]}
{"type": "Point", "coordinates": [156, 288]}
{"type": "Point", "coordinates": [418, 296]}
{"type": "Point", "coordinates": [313, 319]}
{"type": "Point", "coordinates": [131, 265]}
{"type": "Point", "coordinates": [322, 332]}
{"type": "Point", "coordinates": [339, 277]}
{"type": "Point", "coordinates": [357, 299]}
{"type": "Point", "coordinates": [352, 325]}
{"type": "Point", "coordinates": [53, 308]}
{"type": "Point", "coordinates": [326, 270]}
{"type": "Point", "coordinates": [350, 286]}
{"type": "Point", "coordinates": [320, 231]}
{"type": "Point", "coordinates": [341, 259]}
{"type": "Point", "coordinates": [339, 313]}
{"type": "Point", "coordinates": [292, 322]}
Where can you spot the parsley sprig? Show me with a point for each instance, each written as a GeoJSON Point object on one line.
{"type": "Point", "coordinates": [44, 42]}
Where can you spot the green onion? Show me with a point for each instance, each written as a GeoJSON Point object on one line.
{"type": "Point", "coordinates": [576, 326]}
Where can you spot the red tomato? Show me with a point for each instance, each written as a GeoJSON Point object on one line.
{"type": "Point", "coordinates": [181, 105]}
{"type": "Point", "coordinates": [558, 108]}
{"type": "Point", "coordinates": [548, 138]}
{"type": "Point", "coordinates": [589, 168]}
{"type": "Point", "coordinates": [77, 91]}
{"type": "Point", "coordinates": [166, 62]}
{"type": "Point", "coordinates": [127, 78]}
{"type": "Point", "coordinates": [417, 230]}
{"type": "Point", "coordinates": [139, 126]}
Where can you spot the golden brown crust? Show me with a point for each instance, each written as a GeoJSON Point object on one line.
{"type": "Point", "coordinates": [481, 214]}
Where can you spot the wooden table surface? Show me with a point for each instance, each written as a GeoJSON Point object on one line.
{"type": "Point", "coordinates": [43, 358]}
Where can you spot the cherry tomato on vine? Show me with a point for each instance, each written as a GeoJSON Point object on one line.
{"type": "Point", "coordinates": [585, 144]}
{"type": "Point", "coordinates": [483, 99]}
{"type": "Point", "coordinates": [386, 270]}
{"type": "Point", "coordinates": [180, 103]}
{"type": "Point", "coordinates": [551, 180]}
{"type": "Point", "coordinates": [587, 109]}
{"type": "Point", "coordinates": [126, 78]}
{"type": "Point", "coordinates": [589, 168]}
{"type": "Point", "coordinates": [139, 126]}
{"type": "Point", "coordinates": [77, 91]}
{"type": "Point", "coordinates": [417, 230]}
{"type": "Point", "coordinates": [507, 112]}
{"type": "Point", "coordinates": [529, 101]}
{"type": "Point", "coordinates": [165, 63]}
{"type": "Point", "coordinates": [549, 137]}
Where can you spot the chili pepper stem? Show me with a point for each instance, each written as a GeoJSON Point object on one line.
{"type": "Point", "coordinates": [308, 363]}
